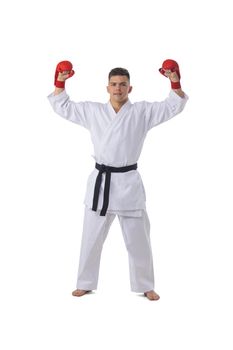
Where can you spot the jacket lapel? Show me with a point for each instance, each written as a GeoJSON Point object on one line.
{"type": "Point", "coordinates": [116, 120]}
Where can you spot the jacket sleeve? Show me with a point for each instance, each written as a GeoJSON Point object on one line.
{"type": "Point", "coordinates": [160, 112]}
{"type": "Point", "coordinates": [76, 112]}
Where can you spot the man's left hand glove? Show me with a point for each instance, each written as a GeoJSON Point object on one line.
{"type": "Point", "coordinates": [168, 68]}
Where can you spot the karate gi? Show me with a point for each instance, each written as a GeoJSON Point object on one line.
{"type": "Point", "coordinates": [118, 140]}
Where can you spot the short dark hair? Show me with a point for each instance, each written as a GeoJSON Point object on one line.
{"type": "Point", "coordinates": [118, 71]}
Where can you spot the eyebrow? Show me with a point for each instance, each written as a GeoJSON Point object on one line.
{"type": "Point", "coordinates": [115, 82]}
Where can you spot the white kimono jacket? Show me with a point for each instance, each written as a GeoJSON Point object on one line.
{"type": "Point", "coordinates": [118, 139]}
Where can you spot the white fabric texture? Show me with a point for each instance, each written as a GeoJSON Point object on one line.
{"type": "Point", "coordinates": [118, 140]}
{"type": "Point", "coordinates": [136, 234]}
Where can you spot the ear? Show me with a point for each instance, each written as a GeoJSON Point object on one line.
{"type": "Point", "coordinates": [130, 89]}
{"type": "Point", "coordinates": [107, 87]}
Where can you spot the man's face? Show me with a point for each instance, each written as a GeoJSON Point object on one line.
{"type": "Point", "coordinates": [119, 88]}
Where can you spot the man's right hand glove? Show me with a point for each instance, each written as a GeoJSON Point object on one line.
{"type": "Point", "coordinates": [64, 67]}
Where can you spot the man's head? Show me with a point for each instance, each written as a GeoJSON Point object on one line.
{"type": "Point", "coordinates": [118, 71]}
{"type": "Point", "coordinates": [119, 85]}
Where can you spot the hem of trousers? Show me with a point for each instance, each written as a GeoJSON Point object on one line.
{"type": "Point", "coordinates": [142, 289]}
{"type": "Point", "coordinates": [85, 286]}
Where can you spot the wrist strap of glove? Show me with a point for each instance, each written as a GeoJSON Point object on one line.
{"type": "Point", "coordinates": [175, 85]}
{"type": "Point", "coordinates": [60, 84]}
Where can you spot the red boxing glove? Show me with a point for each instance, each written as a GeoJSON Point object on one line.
{"type": "Point", "coordinates": [62, 67]}
{"type": "Point", "coordinates": [173, 67]}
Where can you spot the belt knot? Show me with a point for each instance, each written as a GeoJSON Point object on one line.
{"type": "Point", "coordinates": [103, 168]}
{"type": "Point", "coordinates": [108, 170]}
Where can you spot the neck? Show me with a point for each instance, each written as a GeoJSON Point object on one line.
{"type": "Point", "coordinates": [117, 105]}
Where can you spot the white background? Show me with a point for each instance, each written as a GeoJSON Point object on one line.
{"type": "Point", "coordinates": [185, 164]}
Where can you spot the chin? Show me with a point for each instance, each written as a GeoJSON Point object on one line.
{"type": "Point", "coordinates": [120, 99]}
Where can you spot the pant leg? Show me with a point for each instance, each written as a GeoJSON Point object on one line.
{"type": "Point", "coordinates": [95, 230]}
{"type": "Point", "coordinates": [136, 233]}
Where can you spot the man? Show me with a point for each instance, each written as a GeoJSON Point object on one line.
{"type": "Point", "coordinates": [118, 129]}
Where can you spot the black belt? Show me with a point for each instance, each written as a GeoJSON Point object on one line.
{"type": "Point", "coordinates": [108, 170]}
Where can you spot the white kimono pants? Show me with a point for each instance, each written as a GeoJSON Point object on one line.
{"type": "Point", "coordinates": [136, 233]}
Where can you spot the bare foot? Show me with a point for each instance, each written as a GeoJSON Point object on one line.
{"type": "Point", "coordinates": [79, 292]}
{"type": "Point", "coordinates": [151, 295]}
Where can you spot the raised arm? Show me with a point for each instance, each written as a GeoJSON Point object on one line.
{"type": "Point", "coordinates": [77, 112]}
{"type": "Point", "coordinates": [159, 112]}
